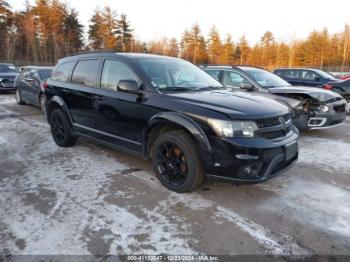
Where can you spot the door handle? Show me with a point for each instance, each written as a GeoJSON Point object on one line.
{"type": "Point", "coordinates": [97, 97]}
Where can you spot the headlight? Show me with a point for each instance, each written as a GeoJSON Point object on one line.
{"type": "Point", "coordinates": [323, 108]}
{"type": "Point", "coordinates": [234, 128]}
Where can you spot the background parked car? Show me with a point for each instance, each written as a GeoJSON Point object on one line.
{"type": "Point", "coordinates": [305, 76]}
{"type": "Point", "coordinates": [8, 74]}
{"type": "Point", "coordinates": [345, 77]}
{"type": "Point", "coordinates": [342, 88]}
{"type": "Point", "coordinates": [30, 86]}
{"type": "Point", "coordinates": [317, 108]}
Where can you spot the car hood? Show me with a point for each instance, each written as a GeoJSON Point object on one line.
{"type": "Point", "coordinates": [8, 75]}
{"type": "Point", "coordinates": [320, 94]}
{"type": "Point", "coordinates": [236, 105]}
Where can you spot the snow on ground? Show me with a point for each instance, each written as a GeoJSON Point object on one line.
{"type": "Point", "coordinates": [328, 154]}
{"type": "Point", "coordinates": [87, 199]}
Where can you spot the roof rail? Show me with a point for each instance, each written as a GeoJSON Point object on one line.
{"type": "Point", "coordinates": [93, 52]}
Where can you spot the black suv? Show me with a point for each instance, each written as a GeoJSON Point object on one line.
{"type": "Point", "coordinates": [173, 113]}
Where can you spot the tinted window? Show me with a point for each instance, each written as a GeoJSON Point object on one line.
{"type": "Point", "coordinates": [86, 72]}
{"type": "Point", "coordinates": [62, 72]}
{"type": "Point", "coordinates": [113, 72]}
{"type": "Point", "coordinates": [291, 74]}
{"type": "Point", "coordinates": [44, 74]}
{"type": "Point", "coordinates": [308, 75]}
{"type": "Point", "coordinates": [234, 79]}
{"type": "Point", "coordinates": [214, 73]}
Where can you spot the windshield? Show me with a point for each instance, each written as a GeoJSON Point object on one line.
{"type": "Point", "coordinates": [171, 74]}
{"type": "Point", "coordinates": [325, 74]}
{"type": "Point", "coordinates": [44, 74]}
{"type": "Point", "coordinates": [265, 78]}
{"type": "Point", "coordinates": [8, 68]}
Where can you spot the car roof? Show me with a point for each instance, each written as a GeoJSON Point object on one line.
{"type": "Point", "coordinates": [111, 54]}
{"type": "Point", "coordinates": [296, 68]}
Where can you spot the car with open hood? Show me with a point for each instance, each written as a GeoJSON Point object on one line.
{"type": "Point", "coordinates": [173, 113]}
{"type": "Point", "coordinates": [8, 74]}
{"type": "Point", "coordinates": [313, 108]}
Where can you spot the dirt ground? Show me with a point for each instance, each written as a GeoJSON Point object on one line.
{"type": "Point", "coordinates": [91, 199]}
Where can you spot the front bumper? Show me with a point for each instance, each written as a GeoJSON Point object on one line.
{"type": "Point", "coordinates": [7, 86]}
{"type": "Point", "coordinates": [251, 160]}
{"type": "Point", "coordinates": [319, 120]}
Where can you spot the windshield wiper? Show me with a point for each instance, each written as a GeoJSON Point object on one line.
{"type": "Point", "coordinates": [176, 88]}
{"type": "Point", "coordinates": [209, 88]}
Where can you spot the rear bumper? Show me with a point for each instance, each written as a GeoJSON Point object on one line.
{"type": "Point", "coordinates": [251, 160]}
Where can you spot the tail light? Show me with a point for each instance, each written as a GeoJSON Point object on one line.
{"type": "Point", "coordinates": [328, 87]}
{"type": "Point", "coordinates": [45, 85]}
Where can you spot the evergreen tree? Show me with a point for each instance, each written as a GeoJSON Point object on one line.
{"type": "Point", "coordinates": [124, 34]}
{"type": "Point", "coordinates": [96, 31]}
{"type": "Point", "coordinates": [108, 28]}
{"type": "Point", "coordinates": [228, 56]}
{"type": "Point", "coordinates": [214, 46]}
{"type": "Point", "coordinates": [73, 31]}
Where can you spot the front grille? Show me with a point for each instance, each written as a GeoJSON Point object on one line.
{"type": "Point", "coordinates": [276, 127]}
{"type": "Point", "coordinates": [340, 108]}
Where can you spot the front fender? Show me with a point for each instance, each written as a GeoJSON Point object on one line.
{"type": "Point", "coordinates": [181, 120]}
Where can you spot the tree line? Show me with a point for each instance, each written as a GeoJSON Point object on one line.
{"type": "Point", "coordinates": [48, 30]}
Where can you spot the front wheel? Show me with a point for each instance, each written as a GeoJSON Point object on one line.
{"type": "Point", "coordinates": [19, 99]}
{"type": "Point", "coordinates": [60, 129]}
{"type": "Point", "coordinates": [176, 162]}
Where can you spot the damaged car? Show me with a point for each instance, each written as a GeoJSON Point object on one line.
{"type": "Point", "coordinates": [312, 108]}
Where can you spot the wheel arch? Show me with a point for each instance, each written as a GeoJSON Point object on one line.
{"type": "Point", "coordinates": [57, 102]}
{"type": "Point", "coordinates": [166, 121]}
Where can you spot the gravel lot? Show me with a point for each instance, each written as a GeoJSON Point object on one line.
{"type": "Point", "coordinates": [91, 199]}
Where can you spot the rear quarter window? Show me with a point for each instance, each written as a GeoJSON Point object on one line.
{"type": "Point", "coordinates": [62, 72]}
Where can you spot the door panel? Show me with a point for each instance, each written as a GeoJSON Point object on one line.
{"type": "Point", "coordinates": [79, 94]}
{"type": "Point", "coordinates": [118, 115]}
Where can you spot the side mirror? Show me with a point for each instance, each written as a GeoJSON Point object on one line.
{"type": "Point", "coordinates": [317, 78]}
{"type": "Point", "coordinates": [247, 86]}
{"type": "Point", "coordinates": [129, 86]}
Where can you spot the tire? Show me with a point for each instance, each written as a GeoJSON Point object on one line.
{"type": "Point", "coordinates": [42, 103]}
{"type": "Point", "coordinates": [178, 171]}
{"type": "Point", "coordinates": [60, 129]}
{"type": "Point", "coordinates": [19, 98]}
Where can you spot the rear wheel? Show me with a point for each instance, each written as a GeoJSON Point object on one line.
{"type": "Point", "coordinates": [176, 162]}
{"type": "Point", "coordinates": [60, 129]}
{"type": "Point", "coordinates": [19, 97]}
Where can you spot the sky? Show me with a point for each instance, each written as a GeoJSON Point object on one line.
{"type": "Point", "coordinates": [154, 19]}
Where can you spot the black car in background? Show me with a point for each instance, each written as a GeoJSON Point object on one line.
{"type": "Point", "coordinates": [173, 113]}
{"type": "Point", "coordinates": [305, 76]}
{"type": "Point", "coordinates": [313, 108]}
{"type": "Point", "coordinates": [8, 74]}
{"type": "Point", "coordinates": [342, 88]}
{"type": "Point", "coordinates": [30, 86]}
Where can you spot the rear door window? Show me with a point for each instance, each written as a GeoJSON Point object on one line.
{"type": "Point", "coordinates": [308, 75]}
{"type": "Point", "coordinates": [86, 73]}
{"type": "Point", "coordinates": [293, 74]}
{"type": "Point", "coordinates": [63, 72]}
{"type": "Point", "coordinates": [114, 71]}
